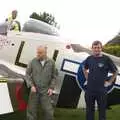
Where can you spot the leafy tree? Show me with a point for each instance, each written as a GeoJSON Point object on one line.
{"type": "Point", "coordinates": [45, 17]}
{"type": "Point", "coordinates": [113, 46]}
{"type": "Point", "coordinates": [112, 49]}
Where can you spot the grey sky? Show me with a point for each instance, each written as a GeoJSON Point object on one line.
{"type": "Point", "coordinates": [81, 21]}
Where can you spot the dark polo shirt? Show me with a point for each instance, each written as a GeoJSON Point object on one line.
{"type": "Point", "coordinates": [98, 72]}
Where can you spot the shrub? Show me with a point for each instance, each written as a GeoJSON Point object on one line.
{"type": "Point", "coordinates": [112, 49]}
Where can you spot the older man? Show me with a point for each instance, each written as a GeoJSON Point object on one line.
{"type": "Point", "coordinates": [40, 77]}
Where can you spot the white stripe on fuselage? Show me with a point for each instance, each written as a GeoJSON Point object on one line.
{"type": "Point", "coordinates": [5, 102]}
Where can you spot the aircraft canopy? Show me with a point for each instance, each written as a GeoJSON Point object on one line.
{"type": "Point", "coordinates": [37, 26]}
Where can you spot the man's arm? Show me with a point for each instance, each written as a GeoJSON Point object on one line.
{"type": "Point", "coordinates": [28, 75]}
{"type": "Point", "coordinates": [28, 78]}
{"type": "Point", "coordinates": [85, 71]}
{"type": "Point", "coordinates": [54, 76]}
{"type": "Point", "coordinates": [53, 80]}
{"type": "Point", "coordinates": [113, 69]}
{"type": "Point", "coordinates": [114, 76]}
{"type": "Point", "coordinates": [112, 79]}
{"type": "Point", "coordinates": [86, 68]}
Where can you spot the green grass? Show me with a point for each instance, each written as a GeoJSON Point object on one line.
{"type": "Point", "coordinates": [68, 114]}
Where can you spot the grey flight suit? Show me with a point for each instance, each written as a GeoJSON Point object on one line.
{"type": "Point", "coordinates": [43, 77]}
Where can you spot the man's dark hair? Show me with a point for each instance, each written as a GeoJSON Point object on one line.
{"type": "Point", "coordinates": [97, 42]}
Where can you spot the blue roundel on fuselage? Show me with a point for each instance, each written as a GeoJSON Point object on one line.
{"type": "Point", "coordinates": [82, 80]}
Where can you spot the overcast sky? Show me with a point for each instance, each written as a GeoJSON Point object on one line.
{"type": "Point", "coordinates": [81, 21]}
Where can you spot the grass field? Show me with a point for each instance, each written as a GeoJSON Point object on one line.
{"type": "Point", "coordinates": [68, 114]}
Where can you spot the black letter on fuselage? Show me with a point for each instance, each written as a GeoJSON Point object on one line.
{"type": "Point", "coordinates": [55, 55]}
{"type": "Point", "coordinates": [19, 54]}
